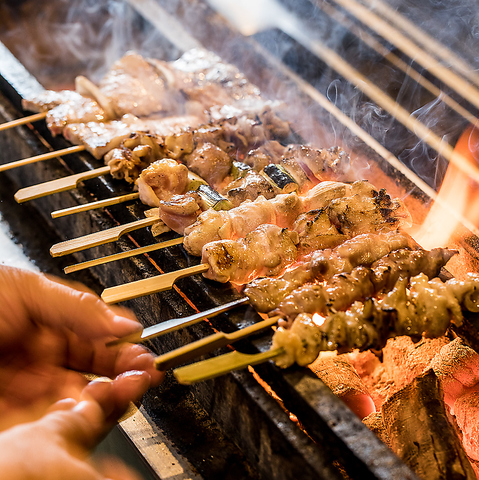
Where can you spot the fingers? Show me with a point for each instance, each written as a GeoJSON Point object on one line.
{"type": "Point", "coordinates": [114, 397]}
{"type": "Point", "coordinates": [83, 423]}
{"type": "Point", "coordinates": [51, 302]}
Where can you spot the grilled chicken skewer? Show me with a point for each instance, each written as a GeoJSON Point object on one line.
{"type": "Point", "coordinates": [387, 272]}
{"type": "Point", "coordinates": [427, 308]}
{"type": "Point", "coordinates": [175, 177]}
{"type": "Point", "coordinates": [269, 249]}
{"type": "Point", "coordinates": [176, 324]}
{"type": "Point", "coordinates": [172, 140]}
{"type": "Point", "coordinates": [281, 210]}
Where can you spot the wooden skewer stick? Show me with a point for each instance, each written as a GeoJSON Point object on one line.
{"type": "Point", "coordinates": [214, 367]}
{"type": "Point", "coordinates": [148, 286]}
{"type": "Point", "coordinates": [58, 185]}
{"type": "Point", "coordinates": [22, 121]}
{"type": "Point", "coordinates": [40, 158]}
{"type": "Point", "coordinates": [94, 205]}
{"type": "Point", "coordinates": [122, 255]}
{"type": "Point", "coordinates": [176, 324]}
{"type": "Point", "coordinates": [99, 238]}
{"type": "Point", "coordinates": [208, 344]}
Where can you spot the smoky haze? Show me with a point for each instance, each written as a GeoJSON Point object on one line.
{"type": "Point", "coordinates": [60, 39]}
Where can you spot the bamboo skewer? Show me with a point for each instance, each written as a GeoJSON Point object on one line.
{"type": "Point", "coordinates": [122, 255]}
{"type": "Point", "coordinates": [94, 205]}
{"type": "Point", "coordinates": [394, 36]}
{"type": "Point", "coordinates": [58, 185]}
{"type": "Point", "coordinates": [147, 286]}
{"type": "Point", "coordinates": [222, 364]}
{"type": "Point", "coordinates": [208, 344]}
{"type": "Point", "coordinates": [428, 42]}
{"type": "Point", "coordinates": [40, 158]}
{"type": "Point", "coordinates": [22, 121]}
{"type": "Point", "coordinates": [176, 324]}
{"type": "Point", "coordinates": [99, 238]}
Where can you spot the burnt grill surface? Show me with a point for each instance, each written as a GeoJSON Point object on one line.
{"type": "Point", "coordinates": [244, 425]}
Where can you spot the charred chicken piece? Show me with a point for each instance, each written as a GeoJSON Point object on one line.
{"type": "Point", "coordinates": [343, 289]}
{"type": "Point", "coordinates": [426, 308]}
{"type": "Point", "coordinates": [281, 210]}
{"type": "Point", "coordinates": [367, 209]}
{"type": "Point", "coordinates": [209, 162]}
{"type": "Point", "coordinates": [267, 293]}
{"type": "Point", "coordinates": [269, 152]}
{"type": "Point", "coordinates": [265, 251]}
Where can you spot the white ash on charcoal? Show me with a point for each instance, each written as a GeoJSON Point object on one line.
{"type": "Point", "coordinates": [419, 431]}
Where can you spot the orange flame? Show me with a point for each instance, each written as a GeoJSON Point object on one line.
{"type": "Point", "coordinates": [458, 194]}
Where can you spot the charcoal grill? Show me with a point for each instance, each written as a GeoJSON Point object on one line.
{"type": "Point", "coordinates": [233, 419]}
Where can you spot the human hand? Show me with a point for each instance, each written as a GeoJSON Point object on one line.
{"type": "Point", "coordinates": [58, 444]}
{"type": "Point", "coordinates": [49, 332]}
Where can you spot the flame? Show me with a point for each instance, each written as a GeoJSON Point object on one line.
{"type": "Point", "coordinates": [318, 319]}
{"type": "Point", "coordinates": [457, 197]}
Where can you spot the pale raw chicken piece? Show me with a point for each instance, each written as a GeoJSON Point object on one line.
{"type": "Point", "coordinates": [65, 107]}
{"type": "Point", "coordinates": [100, 138]}
{"type": "Point", "coordinates": [138, 86]}
{"type": "Point", "coordinates": [210, 81]}
{"type": "Point", "coordinates": [162, 180]}
{"type": "Point", "coordinates": [266, 251]}
{"type": "Point", "coordinates": [49, 99]}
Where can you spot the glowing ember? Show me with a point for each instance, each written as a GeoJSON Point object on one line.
{"type": "Point", "coordinates": [457, 197]}
{"type": "Point", "coordinates": [318, 319]}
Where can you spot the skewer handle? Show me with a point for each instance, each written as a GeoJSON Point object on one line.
{"type": "Point", "coordinates": [208, 344]}
{"type": "Point", "coordinates": [122, 255]}
{"type": "Point", "coordinates": [40, 158]}
{"type": "Point", "coordinates": [148, 286]}
{"type": "Point", "coordinates": [22, 121]}
{"type": "Point", "coordinates": [58, 185]}
{"type": "Point", "coordinates": [99, 238]}
{"type": "Point", "coordinates": [214, 367]}
{"type": "Point", "coordinates": [93, 205]}
{"type": "Point", "coordinates": [176, 324]}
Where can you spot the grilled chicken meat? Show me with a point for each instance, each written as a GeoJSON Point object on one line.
{"type": "Point", "coordinates": [144, 87]}
{"type": "Point", "coordinates": [265, 251]}
{"type": "Point", "coordinates": [426, 308]}
{"type": "Point", "coordinates": [100, 138]}
{"type": "Point", "coordinates": [281, 210]}
{"type": "Point", "coordinates": [266, 293]}
{"type": "Point", "coordinates": [161, 181]}
{"type": "Point", "coordinates": [343, 289]}
{"type": "Point", "coordinates": [230, 135]}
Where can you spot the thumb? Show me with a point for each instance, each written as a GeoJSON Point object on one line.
{"type": "Point", "coordinates": [78, 429]}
